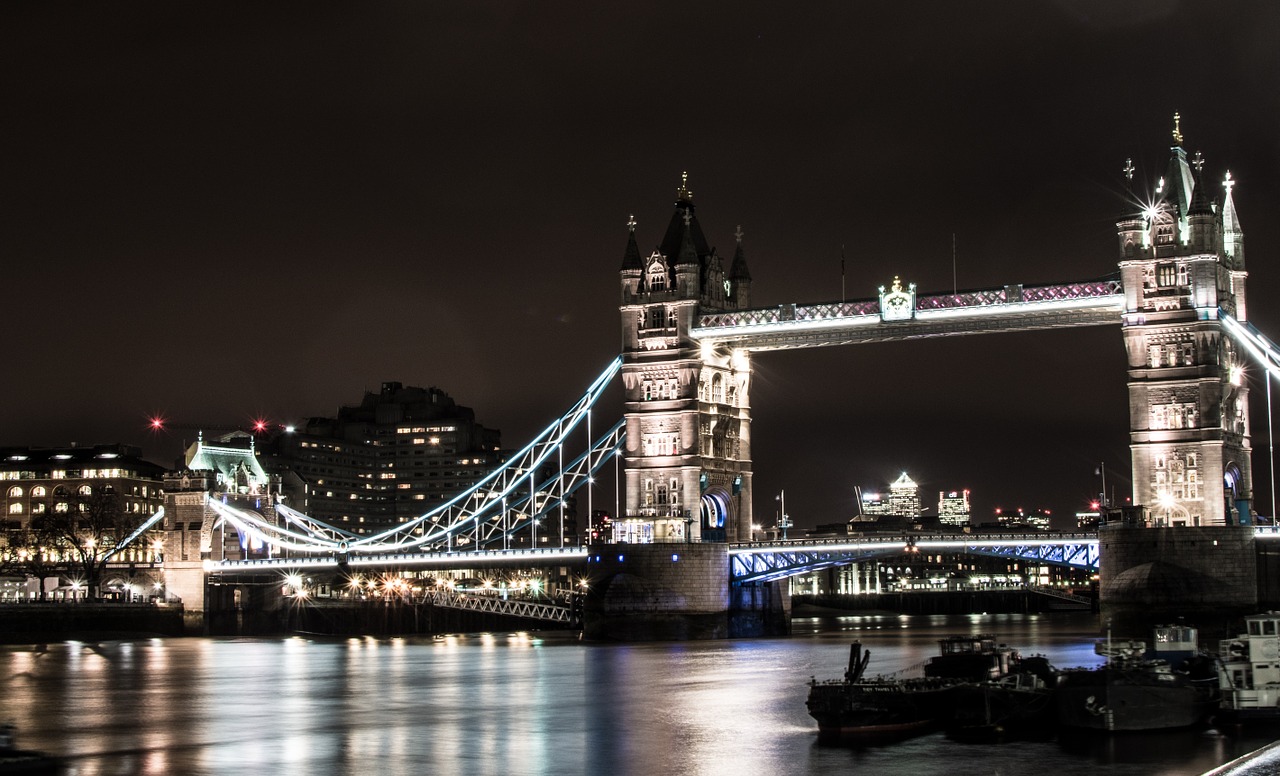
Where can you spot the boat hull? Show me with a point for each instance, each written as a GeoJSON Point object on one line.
{"type": "Point", "coordinates": [993, 711]}
{"type": "Point", "coordinates": [1102, 700]}
{"type": "Point", "coordinates": [878, 710]}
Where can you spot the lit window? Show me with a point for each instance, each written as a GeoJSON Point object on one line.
{"type": "Point", "coordinates": [15, 508]}
{"type": "Point", "coordinates": [15, 492]}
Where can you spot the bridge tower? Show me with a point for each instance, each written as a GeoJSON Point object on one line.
{"type": "Point", "coordinates": [1181, 260]}
{"type": "Point", "coordinates": [688, 449]}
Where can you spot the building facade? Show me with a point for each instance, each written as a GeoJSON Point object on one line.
{"type": "Point", "coordinates": [399, 453]}
{"type": "Point", "coordinates": [953, 508]}
{"type": "Point", "coordinates": [1181, 262]}
{"type": "Point", "coordinates": [66, 510]}
{"type": "Point", "coordinates": [688, 448]}
{"type": "Point", "coordinates": [40, 480]}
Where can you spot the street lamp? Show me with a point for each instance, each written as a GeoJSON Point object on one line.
{"type": "Point", "coordinates": [784, 520]}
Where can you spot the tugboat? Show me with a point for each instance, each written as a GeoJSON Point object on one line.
{"type": "Point", "coordinates": [1170, 687]}
{"type": "Point", "coordinates": [1249, 672]}
{"type": "Point", "coordinates": [857, 709]}
{"type": "Point", "coordinates": [18, 761]}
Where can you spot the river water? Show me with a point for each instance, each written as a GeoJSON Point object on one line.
{"type": "Point", "coordinates": [530, 703]}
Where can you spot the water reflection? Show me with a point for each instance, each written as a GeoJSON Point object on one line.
{"type": "Point", "coordinates": [526, 703]}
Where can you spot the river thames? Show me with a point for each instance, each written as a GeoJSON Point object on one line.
{"type": "Point", "coordinates": [531, 703]}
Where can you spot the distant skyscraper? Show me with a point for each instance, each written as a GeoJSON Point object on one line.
{"type": "Point", "coordinates": [904, 497]}
{"type": "Point", "coordinates": [953, 508]}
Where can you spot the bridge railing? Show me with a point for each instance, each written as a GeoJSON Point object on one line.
{"type": "Point", "coordinates": [864, 308]}
{"type": "Point", "coordinates": [918, 538]}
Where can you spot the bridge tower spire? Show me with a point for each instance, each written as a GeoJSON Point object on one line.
{"type": "Point", "coordinates": [1181, 261]}
{"type": "Point", "coordinates": [688, 454]}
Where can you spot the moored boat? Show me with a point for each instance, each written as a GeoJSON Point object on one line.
{"type": "Point", "coordinates": [1249, 672]}
{"type": "Point", "coordinates": [1019, 704]}
{"type": "Point", "coordinates": [857, 708]}
{"type": "Point", "coordinates": [1170, 687]}
{"type": "Point", "coordinates": [860, 709]}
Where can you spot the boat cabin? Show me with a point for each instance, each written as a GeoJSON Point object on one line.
{"type": "Point", "coordinates": [975, 658]}
{"type": "Point", "coordinates": [1249, 671]}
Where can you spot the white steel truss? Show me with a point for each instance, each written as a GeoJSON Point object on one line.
{"type": "Point", "coordinates": [532, 484]}
{"type": "Point", "coordinates": [532, 610]}
{"type": "Point", "coordinates": [1011, 308]}
{"type": "Point", "coordinates": [762, 563]}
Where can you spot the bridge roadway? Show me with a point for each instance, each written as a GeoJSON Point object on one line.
{"type": "Point", "coordinates": [749, 562]}
{"type": "Point", "coordinates": [1010, 308]}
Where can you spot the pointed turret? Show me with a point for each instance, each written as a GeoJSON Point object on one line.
{"type": "Point", "coordinates": [739, 276]}
{"type": "Point", "coordinates": [631, 256]}
{"type": "Point", "coordinates": [672, 241]}
{"type": "Point", "coordinates": [1232, 234]}
{"type": "Point", "coordinates": [632, 267]}
{"type": "Point", "coordinates": [1178, 183]}
{"type": "Point", "coordinates": [1202, 234]}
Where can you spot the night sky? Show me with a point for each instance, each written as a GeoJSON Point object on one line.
{"type": "Point", "coordinates": [216, 212]}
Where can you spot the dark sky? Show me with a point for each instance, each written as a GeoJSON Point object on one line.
{"type": "Point", "coordinates": [219, 211]}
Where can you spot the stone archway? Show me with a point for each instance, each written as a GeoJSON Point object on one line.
{"type": "Point", "coordinates": [716, 511]}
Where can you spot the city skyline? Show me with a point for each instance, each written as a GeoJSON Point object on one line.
{"type": "Point", "coordinates": [215, 223]}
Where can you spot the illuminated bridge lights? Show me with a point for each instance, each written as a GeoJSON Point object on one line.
{"type": "Point", "coordinates": [444, 560]}
{"type": "Point", "coordinates": [763, 563]}
{"type": "Point", "coordinates": [1013, 307]}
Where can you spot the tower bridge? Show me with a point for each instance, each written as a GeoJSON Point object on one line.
{"type": "Point", "coordinates": [690, 335]}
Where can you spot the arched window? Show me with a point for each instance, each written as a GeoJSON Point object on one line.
{"type": "Point", "coordinates": [675, 491]}
{"type": "Point", "coordinates": [657, 276]}
{"type": "Point", "coordinates": [717, 389]}
{"type": "Point", "coordinates": [662, 495]}
{"type": "Point", "coordinates": [38, 490]}
{"type": "Point", "coordinates": [15, 492]}
{"type": "Point", "coordinates": [731, 396]}
{"type": "Point", "coordinates": [85, 490]}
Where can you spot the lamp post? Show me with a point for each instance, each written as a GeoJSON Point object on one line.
{"type": "Point", "coordinates": [784, 520]}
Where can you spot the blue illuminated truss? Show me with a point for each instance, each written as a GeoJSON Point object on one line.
{"type": "Point", "coordinates": [767, 562]}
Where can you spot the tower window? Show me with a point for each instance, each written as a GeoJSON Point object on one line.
{"type": "Point", "coordinates": [1167, 275]}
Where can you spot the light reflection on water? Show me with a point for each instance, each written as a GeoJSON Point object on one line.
{"type": "Point", "coordinates": [528, 704]}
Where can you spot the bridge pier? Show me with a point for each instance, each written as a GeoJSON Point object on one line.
{"type": "Point", "coordinates": [760, 609]}
{"type": "Point", "coordinates": [676, 592]}
{"type": "Point", "coordinates": [657, 592]}
{"type": "Point", "coordinates": [185, 580]}
{"type": "Point", "coordinates": [1158, 574]}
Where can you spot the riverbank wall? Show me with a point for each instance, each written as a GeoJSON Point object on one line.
{"type": "Point", "coordinates": [38, 623]}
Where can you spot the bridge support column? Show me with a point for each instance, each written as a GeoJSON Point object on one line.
{"type": "Point", "coordinates": [185, 580]}
{"type": "Point", "coordinates": [657, 592]}
{"type": "Point", "coordinates": [760, 609]}
{"type": "Point", "coordinates": [1203, 574]}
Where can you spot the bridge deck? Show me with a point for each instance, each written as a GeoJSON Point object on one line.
{"type": "Point", "coordinates": [1011, 308]}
